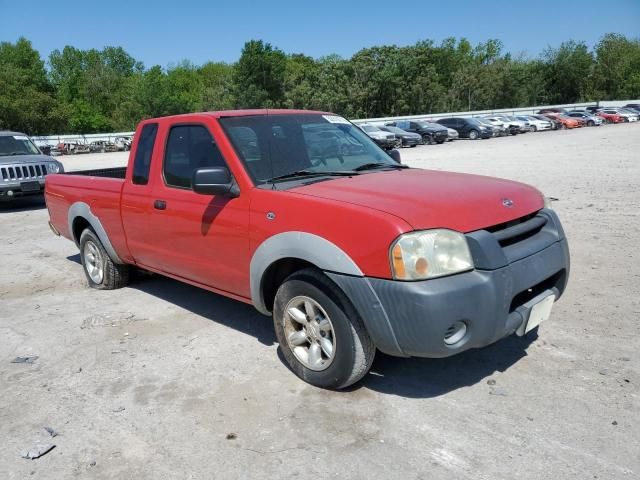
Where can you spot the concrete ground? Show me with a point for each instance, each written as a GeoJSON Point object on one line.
{"type": "Point", "coordinates": [163, 380]}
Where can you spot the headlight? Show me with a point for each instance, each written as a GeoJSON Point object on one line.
{"type": "Point", "coordinates": [53, 167]}
{"type": "Point", "coordinates": [429, 254]}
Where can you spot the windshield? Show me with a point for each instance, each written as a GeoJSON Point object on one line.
{"type": "Point", "coordinates": [275, 145]}
{"type": "Point", "coordinates": [17, 145]}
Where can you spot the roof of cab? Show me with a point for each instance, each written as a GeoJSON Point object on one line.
{"type": "Point", "coordinates": [246, 113]}
{"type": "Point", "coordinates": [8, 133]}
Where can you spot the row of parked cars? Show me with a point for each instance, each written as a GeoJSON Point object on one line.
{"type": "Point", "coordinates": [119, 144]}
{"type": "Point", "coordinates": [410, 133]}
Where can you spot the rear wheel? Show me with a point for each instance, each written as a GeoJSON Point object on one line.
{"type": "Point", "coordinates": [321, 335]}
{"type": "Point", "coordinates": [102, 273]}
{"type": "Point", "coordinates": [473, 135]}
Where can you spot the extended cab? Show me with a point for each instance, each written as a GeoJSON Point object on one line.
{"type": "Point", "coordinates": [303, 216]}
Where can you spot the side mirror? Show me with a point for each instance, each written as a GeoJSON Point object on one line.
{"type": "Point", "coordinates": [395, 154]}
{"type": "Point", "coordinates": [214, 181]}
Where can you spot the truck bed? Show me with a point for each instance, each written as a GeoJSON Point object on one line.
{"type": "Point", "coordinates": [99, 189]}
{"type": "Point", "coordinates": [115, 172]}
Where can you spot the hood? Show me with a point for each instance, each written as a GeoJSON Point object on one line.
{"type": "Point", "coordinates": [433, 199]}
{"type": "Point", "coordinates": [13, 159]}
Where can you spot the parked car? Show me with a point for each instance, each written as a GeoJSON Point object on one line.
{"type": "Point", "coordinates": [123, 143]}
{"type": "Point", "coordinates": [631, 113]}
{"type": "Point", "coordinates": [633, 106]}
{"type": "Point", "coordinates": [610, 117]}
{"type": "Point", "coordinates": [407, 139]}
{"type": "Point", "coordinates": [504, 125]}
{"type": "Point", "coordinates": [430, 132]}
{"type": "Point", "coordinates": [627, 116]}
{"type": "Point", "coordinates": [345, 255]}
{"type": "Point", "coordinates": [452, 134]}
{"type": "Point", "coordinates": [588, 118]}
{"type": "Point", "coordinates": [23, 167]}
{"type": "Point", "coordinates": [72, 148]}
{"type": "Point", "coordinates": [467, 127]}
{"type": "Point", "coordinates": [103, 146]}
{"type": "Point", "coordinates": [555, 123]}
{"type": "Point", "coordinates": [384, 139]}
{"type": "Point", "coordinates": [535, 124]}
{"type": "Point", "coordinates": [551, 110]}
{"type": "Point", "coordinates": [523, 125]}
{"type": "Point", "coordinates": [565, 120]}
{"type": "Point", "coordinates": [496, 130]}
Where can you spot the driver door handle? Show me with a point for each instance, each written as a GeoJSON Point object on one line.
{"type": "Point", "coordinates": [160, 205]}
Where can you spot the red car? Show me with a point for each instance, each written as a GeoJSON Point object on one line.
{"type": "Point", "coordinates": [303, 216]}
{"type": "Point", "coordinates": [610, 117]}
{"type": "Point", "coordinates": [565, 120]}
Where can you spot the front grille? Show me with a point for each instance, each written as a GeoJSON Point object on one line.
{"type": "Point", "coordinates": [23, 172]}
{"type": "Point", "coordinates": [518, 230]}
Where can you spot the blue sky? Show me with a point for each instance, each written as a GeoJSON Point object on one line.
{"type": "Point", "coordinates": [164, 32]}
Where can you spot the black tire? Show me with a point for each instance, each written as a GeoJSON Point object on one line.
{"type": "Point", "coordinates": [427, 139]}
{"type": "Point", "coordinates": [533, 128]}
{"type": "Point", "coordinates": [474, 135]}
{"type": "Point", "coordinates": [354, 349]}
{"type": "Point", "coordinates": [113, 276]}
{"type": "Point", "coordinates": [590, 123]}
{"type": "Point", "coordinates": [413, 146]}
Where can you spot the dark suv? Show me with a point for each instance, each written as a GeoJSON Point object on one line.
{"type": "Point", "coordinates": [430, 132]}
{"type": "Point", "coordinates": [467, 127]}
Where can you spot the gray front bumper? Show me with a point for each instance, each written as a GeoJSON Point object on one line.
{"type": "Point", "coordinates": [411, 318]}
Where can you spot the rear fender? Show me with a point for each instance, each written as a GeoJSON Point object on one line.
{"type": "Point", "coordinates": [82, 210]}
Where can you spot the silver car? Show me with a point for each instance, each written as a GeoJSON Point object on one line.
{"type": "Point", "coordinates": [23, 166]}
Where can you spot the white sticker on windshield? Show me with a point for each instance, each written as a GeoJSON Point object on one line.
{"type": "Point", "coordinates": [335, 119]}
{"type": "Point", "coordinates": [20, 137]}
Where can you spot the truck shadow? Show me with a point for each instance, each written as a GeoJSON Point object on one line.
{"type": "Point", "coordinates": [217, 308]}
{"type": "Point", "coordinates": [432, 377]}
{"type": "Point", "coordinates": [405, 377]}
{"type": "Point", "coordinates": [23, 204]}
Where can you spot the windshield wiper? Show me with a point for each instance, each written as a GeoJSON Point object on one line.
{"type": "Point", "coordinates": [312, 173]}
{"type": "Point", "coordinates": [374, 166]}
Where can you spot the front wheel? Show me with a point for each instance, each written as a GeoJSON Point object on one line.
{"type": "Point", "coordinates": [533, 128]}
{"type": "Point", "coordinates": [427, 140]}
{"type": "Point", "coordinates": [321, 335]}
{"type": "Point", "coordinates": [473, 135]}
{"type": "Point", "coordinates": [590, 123]}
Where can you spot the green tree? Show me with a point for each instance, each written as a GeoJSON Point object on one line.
{"type": "Point", "coordinates": [27, 102]}
{"type": "Point", "coordinates": [259, 76]}
{"type": "Point", "coordinates": [568, 71]}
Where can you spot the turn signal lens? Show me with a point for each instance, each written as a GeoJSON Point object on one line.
{"type": "Point", "coordinates": [398, 262]}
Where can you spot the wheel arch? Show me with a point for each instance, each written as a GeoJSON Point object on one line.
{"type": "Point", "coordinates": [281, 255]}
{"type": "Point", "coordinates": [81, 217]}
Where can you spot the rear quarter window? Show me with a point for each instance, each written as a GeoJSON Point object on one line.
{"type": "Point", "coordinates": [142, 161]}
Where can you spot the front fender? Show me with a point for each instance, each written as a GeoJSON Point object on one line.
{"type": "Point", "coordinates": [301, 245]}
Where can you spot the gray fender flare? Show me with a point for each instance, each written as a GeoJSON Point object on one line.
{"type": "Point", "coordinates": [81, 209]}
{"type": "Point", "coordinates": [305, 246]}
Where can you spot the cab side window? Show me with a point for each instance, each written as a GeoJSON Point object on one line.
{"type": "Point", "coordinates": [189, 147]}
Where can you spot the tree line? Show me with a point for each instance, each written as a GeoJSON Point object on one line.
{"type": "Point", "coordinates": [85, 91]}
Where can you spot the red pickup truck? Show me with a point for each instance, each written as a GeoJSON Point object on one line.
{"type": "Point", "coordinates": [300, 214]}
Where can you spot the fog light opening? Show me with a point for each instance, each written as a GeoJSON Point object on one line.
{"type": "Point", "coordinates": [455, 333]}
